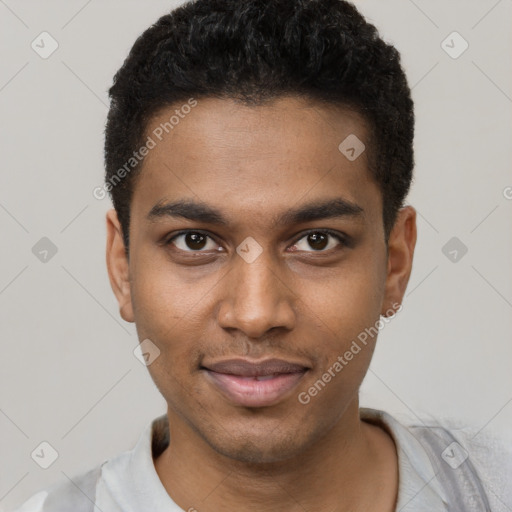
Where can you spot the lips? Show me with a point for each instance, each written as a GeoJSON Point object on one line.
{"type": "Point", "coordinates": [254, 384]}
{"type": "Point", "coordinates": [244, 368]}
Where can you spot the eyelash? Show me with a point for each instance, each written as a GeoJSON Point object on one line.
{"type": "Point", "coordinates": [342, 239]}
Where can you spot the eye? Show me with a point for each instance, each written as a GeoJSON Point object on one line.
{"type": "Point", "coordinates": [320, 241]}
{"type": "Point", "coordinates": [192, 241]}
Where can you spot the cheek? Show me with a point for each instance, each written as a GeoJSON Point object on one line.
{"type": "Point", "coordinates": [345, 311]}
{"type": "Point", "coordinates": [348, 303]}
{"type": "Point", "coordinates": [167, 312]}
{"type": "Point", "coordinates": [343, 318]}
{"type": "Point", "coordinates": [163, 295]}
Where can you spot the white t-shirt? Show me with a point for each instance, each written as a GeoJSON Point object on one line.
{"type": "Point", "coordinates": [440, 469]}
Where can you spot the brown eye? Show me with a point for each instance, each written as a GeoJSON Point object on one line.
{"type": "Point", "coordinates": [192, 241]}
{"type": "Point", "coordinates": [319, 241]}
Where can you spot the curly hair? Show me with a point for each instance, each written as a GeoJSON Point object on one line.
{"type": "Point", "coordinates": [255, 51]}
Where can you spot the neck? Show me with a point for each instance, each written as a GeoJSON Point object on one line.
{"type": "Point", "coordinates": [353, 467]}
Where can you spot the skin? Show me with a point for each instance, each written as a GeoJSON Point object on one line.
{"type": "Point", "coordinates": [297, 301]}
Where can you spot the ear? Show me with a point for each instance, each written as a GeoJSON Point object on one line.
{"type": "Point", "coordinates": [402, 241]}
{"type": "Point", "coordinates": [117, 265]}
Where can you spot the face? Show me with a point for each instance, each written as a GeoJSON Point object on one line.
{"type": "Point", "coordinates": [257, 257]}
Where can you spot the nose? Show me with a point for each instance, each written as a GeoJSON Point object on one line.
{"type": "Point", "coordinates": [256, 298]}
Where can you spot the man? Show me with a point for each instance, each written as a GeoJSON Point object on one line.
{"type": "Point", "coordinates": [258, 154]}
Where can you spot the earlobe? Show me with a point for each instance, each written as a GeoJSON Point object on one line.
{"type": "Point", "coordinates": [118, 267]}
{"type": "Point", "coordinates": [402, 242]}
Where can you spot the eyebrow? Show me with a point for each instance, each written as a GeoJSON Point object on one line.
{"type": "Point", "coordinates": [202, 212]}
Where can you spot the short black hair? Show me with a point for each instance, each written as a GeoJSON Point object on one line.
{"type": "Point", "coordinates": [254, 51]}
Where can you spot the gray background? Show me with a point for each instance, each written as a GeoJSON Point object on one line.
{"type": "Point", "coordinates": [68, 373]}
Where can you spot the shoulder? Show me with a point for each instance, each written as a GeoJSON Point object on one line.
{"type": "Point", "coordinates": [469, 465]}
{"type": "Point", "coordinates": [114, 475]}
{"type": "Point", "coordinates": [484, 455]}
{"type": "Point", "coordinates": [489, 452]}
{"type": "Point", "coordinates": [78, 493]}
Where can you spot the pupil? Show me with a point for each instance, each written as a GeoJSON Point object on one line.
{"type": "Point", "coordinates": [317, 240]}
{"type": "Point", "coordinates": [195, 240]}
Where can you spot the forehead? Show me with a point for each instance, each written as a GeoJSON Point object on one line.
{"type": "Point", "coordinates": [255, 161]}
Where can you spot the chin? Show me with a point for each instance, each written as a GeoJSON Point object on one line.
{"type": "Point", "coordinates": [259, 446]}
{"type": "Point", "coordinates": [254, 452]}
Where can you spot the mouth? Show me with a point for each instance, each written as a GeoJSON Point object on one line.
{"type": "Point", "coordinates": [254, 384]}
